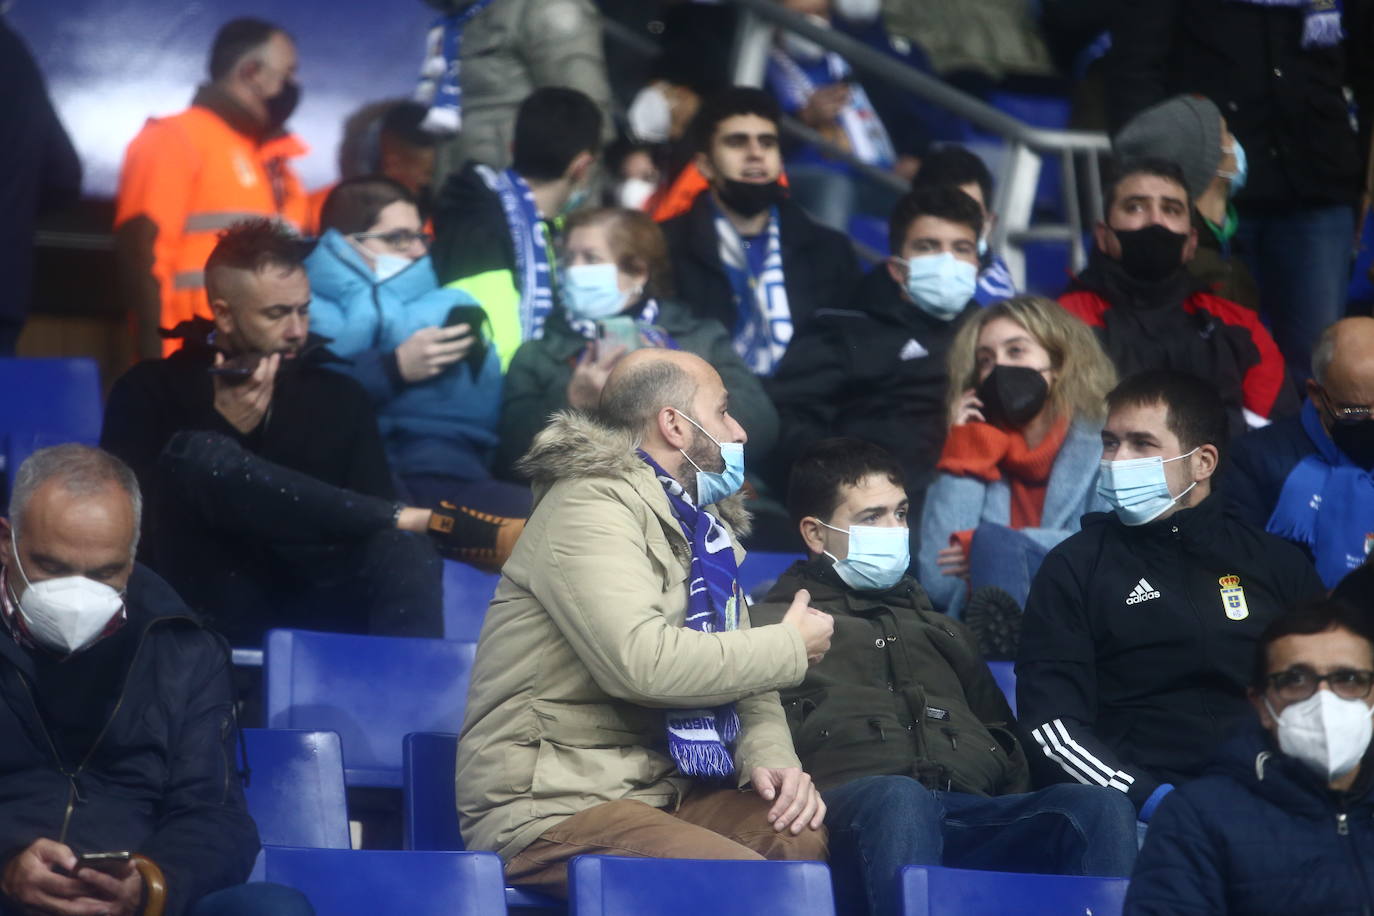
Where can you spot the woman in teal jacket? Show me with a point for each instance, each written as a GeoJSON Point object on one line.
{"type": "Point", "coordinates": [437, 389]}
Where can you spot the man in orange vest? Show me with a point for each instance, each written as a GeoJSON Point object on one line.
{"type": "Point", "coordinates": [188, 176]}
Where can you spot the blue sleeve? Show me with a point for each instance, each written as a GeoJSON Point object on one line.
{"type": "Point", "coordinates": [369, 369]}
{"type": "Point", "coordinates": [952, 504]}
{"type": "Point", "coordinates": [1179, 871]}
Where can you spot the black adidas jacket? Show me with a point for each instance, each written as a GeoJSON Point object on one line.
{"type": "Point", "coordinates": [1137, 647]}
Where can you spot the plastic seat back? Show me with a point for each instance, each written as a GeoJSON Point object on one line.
{"type": "Point", "coordinates": [47, 402]}
{"type": "Point", "coordinates": [366, 882]}
{"type": "Point", "coordinates": [609, 885]}
{"type": "Point", "coordinates": [372, 690]}
{"type": "Point", "coordinates": [467, 592]}
{"type": "Point", "coordinates": [295, 787]}
{"type": "Point", "coordinates": [1004, 673]}
{"type": "Point", "coordinates": [934, 891]}
{"type": "Point", "coordinates": [429, 805]}
{"type": "Point", "coordinates": [761, 569]}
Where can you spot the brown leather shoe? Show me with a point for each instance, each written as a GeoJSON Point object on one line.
{"type": "Point", "coordinates": [477, 538]}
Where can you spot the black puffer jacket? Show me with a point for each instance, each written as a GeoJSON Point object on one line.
{"type": "Point", "coordinates": [160, 777]}
{"type": "Point", "coordinates": [902, 690]}
{"type": "Point", "coordinates": [1138, 642]}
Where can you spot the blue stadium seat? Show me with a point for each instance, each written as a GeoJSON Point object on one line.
{"type": "Point", "coordinates": [610, 886]}
{"type": "Point", "coordinates": [372, 690]}
{"type": "Point", "coordinates": [431, 810]}
{"type": "Point", "coordinates": [367, 882]}
{"type": "Point", "coordinates": [60, 402]}
{"type": "Point", "coordinates": [1004, 673]}
{"type": "Point", "coordinates": [467, 592]}
{"type": "Point", "coordinates": [933, 891]}
{"type": "Point", "coordinates": [761, 569]}
{"type": "Point", "coordinates": [295, 787]}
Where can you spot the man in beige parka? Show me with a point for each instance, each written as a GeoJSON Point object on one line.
{"type": "Point", "coordinates": [596, 704]}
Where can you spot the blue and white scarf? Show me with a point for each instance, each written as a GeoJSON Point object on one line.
{"type": "Point", "coordinates": [529, 236]}
{"type": "Point", "coordinates": [1327, 503]}
{"type": "Point", "coordinates": [439, 86]}
{"type": "Point", "coordinates": [868, 138]}
{"type": "Point", "coordinates": [764, 326]}
{"type": "Point", "coordinates": [646, 321]}
{"type": "Point", "coordinates": [994, 282]}
{"type": "Point", "coordinates": [699, 740]}
{"type": "Point", "coordinates": [1321, 20]}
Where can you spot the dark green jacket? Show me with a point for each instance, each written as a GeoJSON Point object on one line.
{"type": "Point", "coordinates": [537, 382]}
{"type": "Point", "coordinates": [903, 690]}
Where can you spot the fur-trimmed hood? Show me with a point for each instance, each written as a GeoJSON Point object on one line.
{"type": "Point", "coordinates": [574, 445]}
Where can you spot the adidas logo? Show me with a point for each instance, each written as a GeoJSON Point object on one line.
{"type": "Point", "coordinates": [912, 350]}
{"type": "Point", "coordinates": [1142, 592]}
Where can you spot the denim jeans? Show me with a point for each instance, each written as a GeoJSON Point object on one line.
{"type": "Point", "coordinates": [1301, 260]}
{"type": "Point", "coordinates": [1006, 558]}
{"type": "Point", "coordinates": [878, 824]}
{"type": "Point", "coordinates": [256, 899]}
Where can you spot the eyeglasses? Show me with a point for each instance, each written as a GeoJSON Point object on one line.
{"type": "Point", "coordinates": [1344, 415]}
{"type": "Point", "coordinates": [1300, 682]}
{"type": "Point", "coordinates": [396, 239]}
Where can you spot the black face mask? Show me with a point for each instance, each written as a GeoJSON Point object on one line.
{"type": "Point", "coordinates": [1151, 253]}
{"type": "Point", "coordinates": [1356, 441]}
{"type": "Point", "coordinates": [281, 105]}
{"type": "Point", "coordinates": [748, 198]}
{"type": "Point", "coordinates": [1012, 396]}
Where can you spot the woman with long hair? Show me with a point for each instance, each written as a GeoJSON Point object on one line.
{"type": "Point", "coordinates": [1019, 467]}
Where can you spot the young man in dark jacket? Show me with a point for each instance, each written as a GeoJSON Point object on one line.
{"type": "Point", "coordinates": [1150, 313]}
{"type": "Point", "coordinates": [876, 369]}
{"type": "Point", "coordinates": [1310, 478]}
{"type": "Point", "coordinates": [1283, 821]}
{"type": "Point", "coordinates": [270, 500]}
{"type": "Point", "coordinates": [1139, 630]}
{"type": "Point", "coordinates": [116, 715]}
{"type": "Point", "coordinates": [1279, 72]}
{"type": "Point", "coordinates": [744, 254]}
{"type": "Point", "coordinates": [494, 229]}
{"type": "Point", "coordinates": [901, 724]}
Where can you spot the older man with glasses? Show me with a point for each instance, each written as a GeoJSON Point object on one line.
{"type": "Point", "coordinates": [1284, 820]}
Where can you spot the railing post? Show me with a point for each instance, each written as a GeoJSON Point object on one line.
{"type": "Point", "coordinates": [1015, 201]}
{"type": "Point", "coordinates": [753, 39]}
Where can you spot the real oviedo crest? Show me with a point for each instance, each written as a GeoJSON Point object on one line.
{"type": "Point", "coordinates": [1233, 598]}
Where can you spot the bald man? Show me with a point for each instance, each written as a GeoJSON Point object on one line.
{"type": "Point", "coordinates": [1308, 478]}
{"type": "Point", "coordinates": [620, 700]}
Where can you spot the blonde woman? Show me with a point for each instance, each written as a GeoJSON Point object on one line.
{"type": "Point", "coordinates": [1019, 467]}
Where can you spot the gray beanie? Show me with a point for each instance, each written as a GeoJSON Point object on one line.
{"type": "Point", "coordinates": [1185, 129]}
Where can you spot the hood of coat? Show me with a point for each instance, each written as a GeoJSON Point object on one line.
{"type": "Point", "coordinates": [574, 445]}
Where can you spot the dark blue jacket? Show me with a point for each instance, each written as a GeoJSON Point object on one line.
{"type": "Point", "coordinates": [160, 777]}
{"type": "Point", "coordinates": [1260, 463]}
{"type": "Point", "coordinates": [1260, 833]}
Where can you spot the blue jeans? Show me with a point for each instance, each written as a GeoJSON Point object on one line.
{"type": "Point", "coordinates": [1301, 260]}
{"type": "Point", "coordinates": [878, 824]}
{"type": "Point", "coordinates": [1004, 557]}
{"type": "Point", "coordinates": [256, 899]}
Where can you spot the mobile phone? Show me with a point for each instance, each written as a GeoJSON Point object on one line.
{"type": "Point", "coordinates": [236, 369]}
{"type": "Point", "coordinates": [108, 862]}
{"type": "Point", "coordinates": [618, 331]}
{"type": "Point", "coordinates": [475, 317]}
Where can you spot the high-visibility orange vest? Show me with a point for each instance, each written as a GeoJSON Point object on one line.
{"type": "Point", "coordinates": [193, 175]}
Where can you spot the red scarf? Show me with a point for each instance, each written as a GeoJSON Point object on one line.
{"type": "Point", "coordinates": [986, 452]}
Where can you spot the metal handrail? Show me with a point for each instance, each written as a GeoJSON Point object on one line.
{"type": "Point", "coordinates": [1015, 195]}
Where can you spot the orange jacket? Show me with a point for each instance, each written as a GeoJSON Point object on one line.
{"type": "Point", "coordinates": [193, 175]}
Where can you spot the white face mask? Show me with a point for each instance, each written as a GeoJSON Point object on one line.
{"type": "Point", "coordinates": [634, 192]}
{"type": "Point", "coordinates": [386, 266]}
{"type": "Point", "coordinates": [860, 11]}
{"type": "Point", "coordinates": [65, 614]}
{"type": "Point", "coordinates": [650, 115]}
{"type": "Point", "coordinates": [1328, 733]}
{"type": "Point", "coordinates": [804, 49]}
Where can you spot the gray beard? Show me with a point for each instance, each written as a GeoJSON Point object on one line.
{"type": "Point", "coordinates": [707, 456]}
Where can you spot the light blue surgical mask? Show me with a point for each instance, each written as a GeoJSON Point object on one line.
{"type": "Point", "coordinates": [590, 291]}
{"type": "Point", "coordinates": [713, 486]}
{"type": "Point", "coordinates": [1137, 488]}
{"type": "Point", "coordinates": [940, 284]}
{"type": "Point", "coordinates": [878, 556]}
{"type": "Point", "coordinates": [386, 266]}
{"type": "Point", "coordinates": [1237, 178]}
